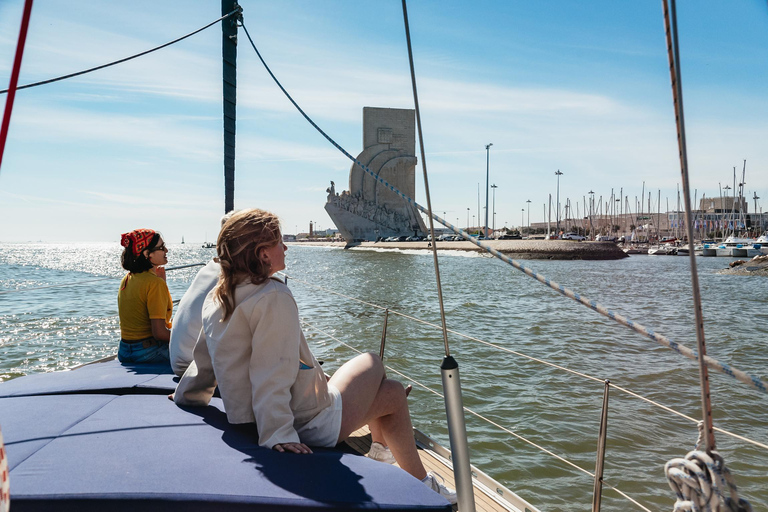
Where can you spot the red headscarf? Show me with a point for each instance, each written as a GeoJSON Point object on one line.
{"type": "Point", "coordinates": [141, 238]}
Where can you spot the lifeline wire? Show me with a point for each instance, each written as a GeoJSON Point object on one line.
{"type": "Point", "coordinates": [530, 358]}
{"type": "Point", "coordinates": [488, 420]}
{"type": "Point", "coordinates": [75, 283]}
{"type": "Point", "coordinates": [751, 380]}
{"type": "Point", "coordinates": [169, 43]}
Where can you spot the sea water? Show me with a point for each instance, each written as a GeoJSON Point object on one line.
{"type": "Point", "coordinates": [58, 309]}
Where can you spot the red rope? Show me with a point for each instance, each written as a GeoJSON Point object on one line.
{"type": "Point", "coordinates": [14, 76]}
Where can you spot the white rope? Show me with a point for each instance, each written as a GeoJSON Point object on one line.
{"type": "Point", "coordinates": [701, 480]}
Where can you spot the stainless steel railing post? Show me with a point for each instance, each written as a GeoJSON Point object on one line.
{"type": "Point", "coordinates": [601, 438]}
{"type": "Point", "coordinates": [457, 433]}
{"type": "Point", "coordinates": [384, 334]}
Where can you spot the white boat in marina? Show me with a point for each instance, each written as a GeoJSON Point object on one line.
{"type": "Point", "coordinates": [709, 249]}
{"type": "Point", "coordinates": [112, 405]}
{"type": "Point", "coordinates": [663, 250]}
{"type": "Point", "coordinates": [739, 247]}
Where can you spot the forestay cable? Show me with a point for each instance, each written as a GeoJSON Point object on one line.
{"type": "Point", "coordinates": [751, 380]}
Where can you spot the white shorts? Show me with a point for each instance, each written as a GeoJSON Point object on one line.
{"type": "Point", "coordinates": [323, 430]}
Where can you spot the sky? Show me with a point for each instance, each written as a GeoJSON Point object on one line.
{"type": "Point", "coordinates": [579, 87]}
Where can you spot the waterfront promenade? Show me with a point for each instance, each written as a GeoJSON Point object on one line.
{"type": "Point", "coordinates": [517, 249]}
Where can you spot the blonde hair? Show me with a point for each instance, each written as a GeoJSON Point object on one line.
{"type": "Point", "coordinates": [241, 241]}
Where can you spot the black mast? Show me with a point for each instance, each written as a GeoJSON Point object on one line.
{"type": "Point", "coordinates": [229, 75]}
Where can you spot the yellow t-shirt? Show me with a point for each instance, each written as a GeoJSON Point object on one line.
{"type": "Point", "coordinates": [142, 297]}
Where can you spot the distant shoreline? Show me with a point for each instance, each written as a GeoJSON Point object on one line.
{"type": "Point", "coordinates": [519, 249]}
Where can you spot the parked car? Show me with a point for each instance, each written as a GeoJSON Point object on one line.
{"type": "Point", "coordinates": [605, 238]}
{"type": "Point", "coordinates": [573, 236]}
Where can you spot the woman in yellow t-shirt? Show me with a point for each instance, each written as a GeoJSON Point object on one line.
{"type": "Point", "coordinates": [144, 302]}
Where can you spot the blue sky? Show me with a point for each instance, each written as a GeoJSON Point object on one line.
{"type": "Point", "coordinates": [578, 86]}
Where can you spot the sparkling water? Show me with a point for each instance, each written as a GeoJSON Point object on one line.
{"type": "Point", "coordinates": [58, 309]}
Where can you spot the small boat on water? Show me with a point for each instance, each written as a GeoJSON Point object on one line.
{"type": "Point", "coordinates": [663, 250]}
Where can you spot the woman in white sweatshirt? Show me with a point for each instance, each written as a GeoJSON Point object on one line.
{"type": "Point", "coordinates": [255, 349]}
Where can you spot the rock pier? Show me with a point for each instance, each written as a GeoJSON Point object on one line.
{"type": "Point", "coordinates": [517, 249]}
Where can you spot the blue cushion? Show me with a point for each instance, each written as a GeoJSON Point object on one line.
{"type": "Point", "coordinates": [120, 452]}
{"type": "Point", "coordinates": [108, 377]}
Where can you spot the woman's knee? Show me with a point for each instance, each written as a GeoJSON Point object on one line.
{"type": "Point", "coordinates": [370, 362]}
{"type": "Point", "coordinates": [393, 392]}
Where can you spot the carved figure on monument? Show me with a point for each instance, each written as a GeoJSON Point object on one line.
{"type": "Point", "coordinates": [368, 209]}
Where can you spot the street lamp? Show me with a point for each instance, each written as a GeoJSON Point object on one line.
{"type": "Point", "coordinates": [522, 219]}
{"type": "Point", "coordinates": [558, 174]}
{"type": "Point", "coordinates": [494, 187]}
{"type": "Point", "coordinates": [591, 205]}
{"type": "Point", "coordinates": [487, 176]}
{"type": "Point", "coordinates": [529, 216]}
{"type": "Point", "coordinates": [467, 219]}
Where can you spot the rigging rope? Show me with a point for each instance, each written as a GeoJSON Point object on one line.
{"type": "Point", "coordinates": [75, 283]}
{"type": "Point", "coordinates": [751, 380]}
{"type": "Point", "coordinates": [126, 59]}
{"type": "Point", "coordinates": [699, 480]}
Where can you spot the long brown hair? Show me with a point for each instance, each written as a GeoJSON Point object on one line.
{"type": "Point", "coordinates": [239, 246]}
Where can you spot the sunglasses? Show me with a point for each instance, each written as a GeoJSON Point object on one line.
{"type": "Point", "coordinates": [159, 248]}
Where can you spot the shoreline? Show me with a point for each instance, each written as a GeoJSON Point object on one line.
{"type": "Point", "coordinates": [518, 249]}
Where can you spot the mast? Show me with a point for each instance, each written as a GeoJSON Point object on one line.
{"type": "Point", "coordinates": [229, 79]}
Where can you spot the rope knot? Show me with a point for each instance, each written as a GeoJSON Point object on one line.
{"type": "Point", "coordinates": [700, 481]}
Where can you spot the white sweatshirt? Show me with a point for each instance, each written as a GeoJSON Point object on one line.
{"type": "Point", "coordinates": [261, 361]}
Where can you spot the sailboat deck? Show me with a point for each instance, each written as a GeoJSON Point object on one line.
{"type": "Point", "coordinates": [490, 496]}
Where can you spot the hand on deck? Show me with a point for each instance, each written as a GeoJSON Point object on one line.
{"type": "Point", "coordinates": [292, 447]}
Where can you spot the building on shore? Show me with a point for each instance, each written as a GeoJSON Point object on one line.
{"type": "Point", "coordinates": [715, 217]}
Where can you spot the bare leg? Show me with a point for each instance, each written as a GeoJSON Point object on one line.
{"type": "Point", "coordinates": [368, 397]}
{"type": "Point", "coordinates": [376, 435]}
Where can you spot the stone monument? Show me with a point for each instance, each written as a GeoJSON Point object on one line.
{"type": "Point", "coordinates": [369, 210]}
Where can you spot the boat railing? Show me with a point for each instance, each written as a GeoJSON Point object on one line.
{"type": "Point", "coordinates": [605, 385]}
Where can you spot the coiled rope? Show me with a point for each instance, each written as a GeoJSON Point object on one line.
{"type": "Point", "coordinates": [126, 59]}
{"type": "Point", "coordinates": [751, 380]}
{"type": "Point", "coordinates": [700, 481]}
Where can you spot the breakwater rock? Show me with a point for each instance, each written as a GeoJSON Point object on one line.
{"type": "Point", "coordinates": [757, 266]}
{"type": "Point", "coordinates": [517, 249]}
